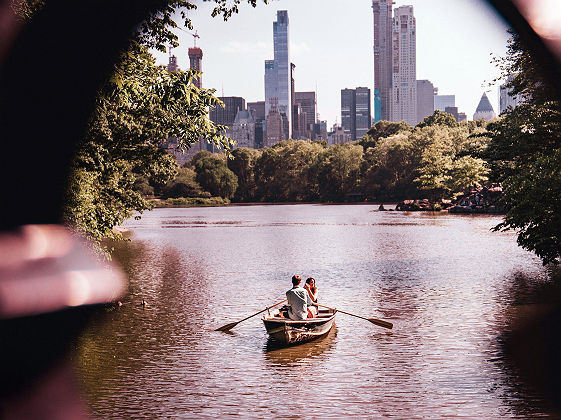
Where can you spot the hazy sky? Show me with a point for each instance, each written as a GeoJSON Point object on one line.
{"type": "Point", "coordinates": [331, 46]}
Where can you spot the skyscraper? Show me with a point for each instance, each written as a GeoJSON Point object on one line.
{"type": "Point", "coordinates": [356, 112]}
{"type": "Point", "coordinates": [442, 101]}
{"type": "Point", "coordinates": [306, 101]}
{"type": "Point", "coordinates": [243, 129]}
{"type": "Point", "coordinates": [196, 62]}
{"type": "Point", "coordinates": [363, 112]}
{"type": "Point", "coordinates": [382, 10]}
{"type": "Point", "coordinates": [172, 64]}
{"type": "Point", "coordinates": [348, 112]}
{"type": "Point", "coordinates": [425, 99]}
{"type": "Point", "coordinates": [404, 71]}
{"type": "Point", "coordinates": [484, 109]}
{"type": "Point", "coordinates": [226, 115]}
{"type": "Point", "coordinates": [258, 110]}
{"type": "Point", "coordinates": [278, 71]}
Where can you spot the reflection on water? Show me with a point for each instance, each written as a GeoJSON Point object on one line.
{"type": "Point", "coordinates": [453, 289]}
{"type": "Point", "coordinates": [283, 355]}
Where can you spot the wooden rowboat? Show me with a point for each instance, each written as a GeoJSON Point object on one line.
{"type": "Point", "coordinates": [288, 331]}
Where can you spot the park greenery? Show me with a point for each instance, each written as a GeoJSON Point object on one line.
{"type": "Point", "coordinates": [120, 166]}
{"type": "Point", "coordinates": [524, 153]}
{"type": "Point", "coordinates": [393, 161]}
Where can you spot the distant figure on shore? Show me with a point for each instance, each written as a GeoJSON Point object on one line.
{"type": "Point", "coordinates": [382, 208]}
{"type": "Point", "coordinates": [312, 290]}
{"type": "Point", "coordinates": [298, 300]}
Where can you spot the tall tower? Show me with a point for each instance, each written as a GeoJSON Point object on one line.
{"type": "Point", "coordinates": [484, 109]}
{"type": "Point", "coordinates": [348, 112]}
{"type": "Point", "coordinates": [172, 63]}
{"type": "Point", "coordinates": [382, 58]}
{"type": "Point", "coordinates": [404, 72]}
{"type": "Point", "coordinates": [425, 99]}
{"type": "Point", "coordinates": [278, 71]}
{"type": "Point", "coordinates": [363, 114]}
{"type": "Point", "coordinates": [196, 61]}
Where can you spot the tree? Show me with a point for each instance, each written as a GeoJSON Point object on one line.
{"type": "Point", "coordinates": [439, 118]}
{"type": "Point", "coordinates": [534, 199]}
{"type": "Point", "coordinates": [390, 166]}
{"type": "Point", "coordinates": [137, 109]}
{"type": "Point", "coordinates": [285, 172]}
{"type": "Point", "coordinates": [339, 171]}
{"type": "Point", "coordinates": [213, 174]}
{"type": "Point", "coordinates": [243, 165]}
{"type": "Point", "coordinates": [434, 172]}
{"type": "Point", "coordinates": [184, 185]}
{"type": "Point", "coordinates": [383, 129]}
{"type": "Point", "coordinates": [466, 171]}
{"type": "Point", "coordinates": [524, 154]}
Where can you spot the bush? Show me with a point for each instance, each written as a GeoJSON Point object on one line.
{"type": "Point", "coordinates": [191, 202]}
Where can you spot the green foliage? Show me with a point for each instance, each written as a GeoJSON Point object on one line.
{"type": "Point", "coordinates": [521, 136]}
{"type": "Point", "coordinates": [137, 109]}
{"type": "Point", "coordinates": [142, 185]}
{"type": "Point", "coordinates": [438, 118]}
{"type": "Point", "coordinates": [213, 174]}
{"type": "Point", "coordinates": [524, 153]}
{"type": "Point", "coordinates": [466, 171]}
{"type": "Point", "coordinates": [390, 167]}
{"type": "Point", "coordinates": [243, 165]}
{"type": "Point", "coordinates": [191, 202]}
{"type": "Point", "coordinates": [339, 171]}
{"type": "Point", "coordinates": [534, 198]}
{"type": "Point", "coordinates": [381, 130]}
{"type": "Point", "coordinates": [434, 171]}
{"type": "Point", "coordinates": [285, 172]}
{"type": "Point", "coordinates": [25, 9]}
{"type": "Point", "coordinates": [184, 185]}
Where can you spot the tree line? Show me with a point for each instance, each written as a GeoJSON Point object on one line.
{"type": "Point", "coordinates": [393, 161]}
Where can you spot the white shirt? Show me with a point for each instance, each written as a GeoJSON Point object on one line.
{"type": "Point", "coordinates": [299, 300]}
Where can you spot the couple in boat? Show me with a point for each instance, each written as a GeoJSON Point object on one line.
{"type": "Point", "coordinates": [301, 299]}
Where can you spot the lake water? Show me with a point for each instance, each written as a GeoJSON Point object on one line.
{"type": "Point", "coordinates": [450, 286]}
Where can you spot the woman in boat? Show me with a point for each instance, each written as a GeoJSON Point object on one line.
{"type": "Point", "coordinates": [312, 290]}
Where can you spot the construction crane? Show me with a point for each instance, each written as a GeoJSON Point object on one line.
{"type": "Point", "coordinates": [194, 35]}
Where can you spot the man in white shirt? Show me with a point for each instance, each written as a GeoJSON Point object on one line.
{"type": "Point", "coordinates": [298, 299]}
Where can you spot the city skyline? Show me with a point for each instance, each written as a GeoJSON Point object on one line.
{"type": "Point", "coordinates": [456, 60]}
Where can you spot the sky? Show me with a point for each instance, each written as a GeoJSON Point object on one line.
{"type": "Point", "coordinates": [331, 44]}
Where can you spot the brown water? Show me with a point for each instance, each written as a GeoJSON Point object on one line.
{"type": "Point", "coordinates": [447, 283]}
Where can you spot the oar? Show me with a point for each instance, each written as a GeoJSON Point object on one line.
{"type": "Point", "coordinates": [378, 322]}
{"type": "Point", "coordinates": [231, 325]}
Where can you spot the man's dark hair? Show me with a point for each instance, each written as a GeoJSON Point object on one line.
{"type": "Point", "coordinates": [296, 279]}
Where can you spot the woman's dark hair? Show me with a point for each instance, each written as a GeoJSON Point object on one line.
{"type": "Point", "coordinates": [309, 280]}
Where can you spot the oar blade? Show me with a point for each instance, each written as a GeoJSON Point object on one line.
{"type": "Point", "coordinates": [227, 327]}
{"type": "Point", "coordinates": [381, 323]}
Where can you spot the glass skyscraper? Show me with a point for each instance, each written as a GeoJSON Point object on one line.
{"type": "Point", "coordinates": [348, 112]}
{"type": "Point", "coordinates": [382, 10]}
{"type": "Point", "coordinates": [356, 112]}
{"type": "Point", "coordinates": [404, 71]}
{"type": "Point", "coordinates": [277, 71]}
{"type": "Point", "coordinates": [363, 112]}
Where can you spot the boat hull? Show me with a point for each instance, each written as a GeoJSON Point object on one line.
{"type": "Point", "coordinates": [291, 332]}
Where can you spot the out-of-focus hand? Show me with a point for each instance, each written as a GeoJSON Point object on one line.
{"type": "Point", "coordinates": [45, 268]}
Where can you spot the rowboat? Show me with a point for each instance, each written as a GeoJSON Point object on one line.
{"type": "Point", "coordinates": [288, 331]}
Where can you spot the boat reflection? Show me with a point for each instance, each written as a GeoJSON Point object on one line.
{"type": "Point", "coordinates": [282, 355]}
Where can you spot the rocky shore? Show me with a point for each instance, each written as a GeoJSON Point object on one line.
{"type": "Point", "coordinates": [476, 200]}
